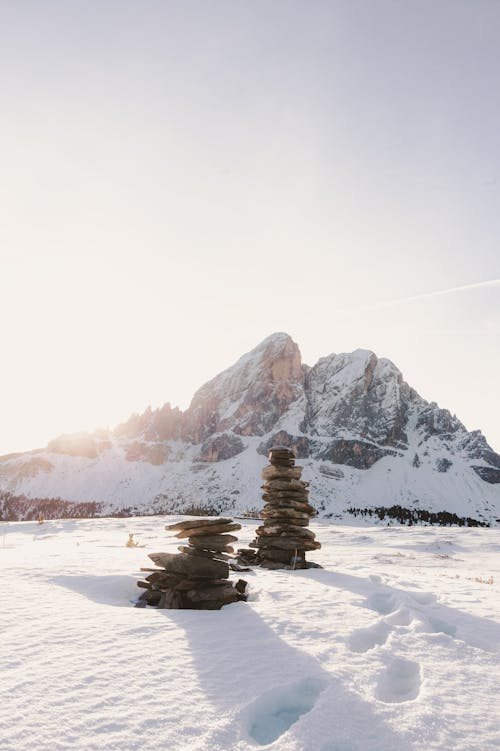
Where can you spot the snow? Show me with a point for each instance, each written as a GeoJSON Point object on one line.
{"type": "Point", "coordinates": [392, 646]}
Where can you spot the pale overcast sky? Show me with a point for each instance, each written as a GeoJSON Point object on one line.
{"type": "Point", "coordinates": [179, 179]}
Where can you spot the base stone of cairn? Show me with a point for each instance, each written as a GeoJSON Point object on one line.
{"type": "Point", "coordinates": [197, 577]}
{"type": "Point", "coordinates": [284, 538]}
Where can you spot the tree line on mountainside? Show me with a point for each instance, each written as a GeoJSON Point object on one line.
{"type": "Point", "coordinates": [409, 516]}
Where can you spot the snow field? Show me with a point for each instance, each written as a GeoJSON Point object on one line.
{"type": "Point", "coordinates": [392, 646]}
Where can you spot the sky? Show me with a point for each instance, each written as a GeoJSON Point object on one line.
{"type": "Point", "coordinates": [181, 178]}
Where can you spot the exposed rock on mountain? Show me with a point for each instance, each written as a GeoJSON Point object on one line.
{"type": "Point", "coordinates": [220, 447]}
{"type": "Point", "coordinates": [358, 394]}
{"type": "Point", "coordinates": [251, 396]}
{"type": "Point", "coordinates": [355, 453]}
{"type": "Point", "coordinates": [366, 439]}
{"type": "Point", "coordinates": [154, 453]}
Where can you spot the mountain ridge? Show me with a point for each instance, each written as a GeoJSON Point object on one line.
{"type": "Point", "coordinates": [366, 439]}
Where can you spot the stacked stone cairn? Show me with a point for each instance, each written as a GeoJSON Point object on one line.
{"type": "Point", "coordinates": [197, 577]}
{"type": "Point", "coordinates": [284, 537]}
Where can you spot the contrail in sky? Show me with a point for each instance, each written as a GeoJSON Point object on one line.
{"type": "Point", "coordinates": [426, 295]}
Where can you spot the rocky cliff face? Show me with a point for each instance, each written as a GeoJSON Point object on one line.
{"type": "Point", "coordinates": [364, 436]}
{"type": "Point", "coordinates": [250, 397]}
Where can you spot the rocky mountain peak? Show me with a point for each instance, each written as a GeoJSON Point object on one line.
{"type": "Point", "coordinates": [250, 396]}
{"type": "Point", "coordinates": [357, 394]}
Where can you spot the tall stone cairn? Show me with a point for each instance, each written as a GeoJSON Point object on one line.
{"type": "Point", "coordinates": [197, 577]}
{"type": "Point", "coordinates": [284, 538]}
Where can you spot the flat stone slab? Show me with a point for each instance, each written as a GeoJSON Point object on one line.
{"type": "Point", "coordinates": [285, 484]}
{"type": "Point", "coordinates": [204, 553]}
{"type": "Point", "coordinates": [285, 530]}
{"type": "Point", "coordinates": [213, 529]}
{"type": "Point", "coordinates": [272, 472]}
{"type": "Point", "coordinates": [286, 543]}
{"type": "Point", "coordinates": [192, 524]}
{"type": "Point", "coordinates": [216, 547]}
{"type": "Point", "coordinates": [304, 508]}
{"type": "Point", "coordinates": [208, 541]}
{"type": "Point", "coordinates": [302, 521]}
{"type": "Point", "coordinates": [281, 556]}
{"type": "Point", "coordinates": [302, 496]}
{"type": "Point", "coordinates": [190, 565]}
{"type": "Point", "coordinates": [280, 448]}
{"type": "Point", "coordinates": [284, 513]}
{"type": "Point", "coordinates": [286, 499]}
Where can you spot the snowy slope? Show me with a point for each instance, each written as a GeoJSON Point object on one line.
{"type": "Point", "coordinates": [365, 438]}
{"type": "Point", "coordinates": [392, 646]}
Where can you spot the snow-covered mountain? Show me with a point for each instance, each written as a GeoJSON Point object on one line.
{"type": "Point", "coordinates": [366, 439]}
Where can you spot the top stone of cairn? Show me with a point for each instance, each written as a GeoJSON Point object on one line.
{"type": "Point", "coordinates": [281, 456]}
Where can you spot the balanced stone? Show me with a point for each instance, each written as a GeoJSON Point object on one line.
{"type": "Point", "coordinates": [271, 473]}
{"type": "Point", "coordinates": [286, 531]}
{"type": "Point", "coordinates": [209, 540]}
{"type": "Point", "coordinates": [285, 484]}
{"type": "Point", "coordinates": [299, 495]}
{"type": "Point", "coordinates": [192, 524]}
{"type": "Point", "coordinates": [285, 513]}
{"type": "Point", "coordinates": [274, 520]}
{"type": "Point", "coordinates": [288, 543]}
{"type": "Point", "coordinates": [304, 508]}
{"type": "Point", "coordinates": [281, 556]}
{"type": "Point", "coordinates": [204, 553]}
{"type": "Point", "coordinates": [287, 500]}
{"type": "Point", "coordinates": [215, 548]}
{"type": "Point", "coordinates": [214, 529]}
{"type": "Point", "coordinates": [187, 564]}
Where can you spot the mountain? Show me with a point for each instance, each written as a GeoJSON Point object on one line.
{"type": "Point", "coordinates": [366, 440]}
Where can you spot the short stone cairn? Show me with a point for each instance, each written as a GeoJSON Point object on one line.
{"type": "Point", "coordinates": [197, 577]}
{"type": "Point", "coordinates": [284, 537]}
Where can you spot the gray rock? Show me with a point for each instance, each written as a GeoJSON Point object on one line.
{"type": "Point", "coordinates": [221, 447]}
{"type": "Point", "coordinates": [213, 529]}
{"type": "Point", "coordinates": [210, 542]}
{"type": "Point", "coordinates": [288, 543]}
{"type": "Point", "coordinates": [204, 553]}
{"type": "Point", "coordinates": [359, 454]}
{"type": "Point", "coordinates": [302, 521]}
{"type": "Point", "coordinates": [488, 474]}
{"type": "Point", "coordinates": [284, 505]}
{"type": "Point", "coordinates": [188, 565]}
{"type": "Point", "coordinates": [214, 547]}
{"type": "Point", "coordinates": [285, 530]}
{"type": "Point", "coordinates": [284, 513]}
{"type": "Point", "coordinates": [292, 494]}
{"type": "Point", "coordinates": [194, 523]}
{"type": "Point", "coordinates": [284, 484]}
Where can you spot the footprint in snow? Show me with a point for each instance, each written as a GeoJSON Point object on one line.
{"type": "Point", "coordinates": [400, 617]}
{"type": "Point", "coordinates": [423, 598]}
{"type": "Point", "coordinates": [382, 602]}
{"type": "Point", "coordinates": [438, 626]}
{"type": "Point", "coordinates": [276, 711]}
{"type": "Point", "coordinates": [364, 639]}
{"type": "Point", "coordinates": [400, 682]}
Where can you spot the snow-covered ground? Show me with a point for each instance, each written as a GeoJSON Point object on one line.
{"type": "Point", "coordinates": [392, 646]}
